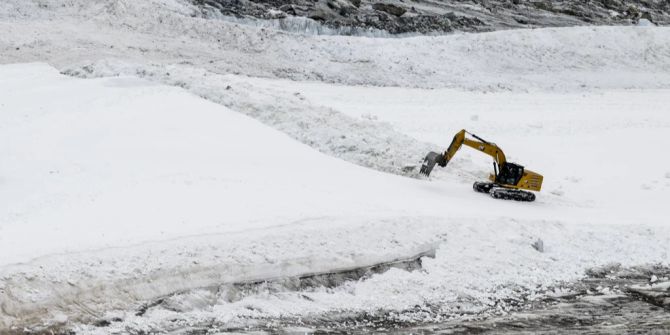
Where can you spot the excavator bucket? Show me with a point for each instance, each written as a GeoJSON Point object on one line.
{"type": "Point", "coordinates": [429, 162]}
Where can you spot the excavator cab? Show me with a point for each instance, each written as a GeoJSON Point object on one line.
{"type": "Point", "coordinates": [509, 174]}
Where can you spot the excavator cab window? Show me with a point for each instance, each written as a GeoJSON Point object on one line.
{"type": "Point", "coordinates": [509, 174]}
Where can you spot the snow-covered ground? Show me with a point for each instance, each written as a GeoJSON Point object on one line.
{"type": "Point", "coordinates": [129, 186]}
{"type": "Point", "coordinates": [114, 163]}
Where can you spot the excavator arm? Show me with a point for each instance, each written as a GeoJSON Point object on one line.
{"type": "Point", "coordinates": [460, 139]}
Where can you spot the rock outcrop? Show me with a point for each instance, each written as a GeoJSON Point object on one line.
{"type": "Point", "coordinates": [425, 17]}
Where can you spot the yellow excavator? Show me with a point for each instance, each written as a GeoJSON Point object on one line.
{"type": "Point", "coordinates": [508, 181]}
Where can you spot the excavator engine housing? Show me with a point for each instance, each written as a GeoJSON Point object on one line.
{"type": "Point", "coordinates": [516, 176]}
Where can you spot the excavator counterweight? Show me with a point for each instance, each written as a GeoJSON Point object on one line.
{"type": "Point", "coordinates": [509, 181]}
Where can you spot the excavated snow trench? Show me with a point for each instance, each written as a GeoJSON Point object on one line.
{"type": "Point", "coordinates": [206, 297]}
{"type": "Point", "coordinates": [81, 294]}
{"type": "Point", "coordinates": [610, 299]}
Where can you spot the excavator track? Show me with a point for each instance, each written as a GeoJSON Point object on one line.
{"type": "Point", "coordinates": [511, 194]}
{"type": "Point", "coordinates": [504, 193]}
{"type": "Point", "coordinates": [482, 187]}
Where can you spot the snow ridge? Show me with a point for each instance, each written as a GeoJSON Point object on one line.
{"type": "Point", "coordinates": [171, 32]}
{"type": "Point", "coordinates": [367, 143]}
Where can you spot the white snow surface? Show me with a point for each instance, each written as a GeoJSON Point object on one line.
{"type": "Point", "coordinates": [120, 189]}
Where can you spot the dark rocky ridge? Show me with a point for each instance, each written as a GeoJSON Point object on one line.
{"type": "Point", "coordinates": [440, 16]}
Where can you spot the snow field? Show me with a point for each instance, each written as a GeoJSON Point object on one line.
{"type": "Point", "coordinates": [118, 191]}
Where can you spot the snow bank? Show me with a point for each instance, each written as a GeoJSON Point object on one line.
{"type": "Point", "coordinates": [484, 268]}
{"type": "Point", "coordinates": [87, 286]}
{"type": "Point", "coordinates": [170, 32]}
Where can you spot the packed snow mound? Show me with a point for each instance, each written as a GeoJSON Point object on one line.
{"type": "Point", "coordinates": [171, 32]}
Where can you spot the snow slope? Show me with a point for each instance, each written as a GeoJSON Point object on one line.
{"type": "Point", "coordinates": [154, 162]}
{"type": "Point", "coordinates": [72, 32]}
{"type": "Point", "coordinates": [167, 41]}
{"type": "Point", "coordinates": [117, 191]}
{"type": "Point", "coordinates": [597, 149]}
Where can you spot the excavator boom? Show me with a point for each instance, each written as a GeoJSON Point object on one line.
{"type": "Point", "coordinates": [459, 140]}
{"type": "Point", "coordinates": [508, 179]}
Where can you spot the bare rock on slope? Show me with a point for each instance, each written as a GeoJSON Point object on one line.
{"type": "Point", "coordinates": [421, 16]}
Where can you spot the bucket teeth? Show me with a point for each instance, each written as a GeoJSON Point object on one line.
{"type": "Point", "coordinates": [429, 162]}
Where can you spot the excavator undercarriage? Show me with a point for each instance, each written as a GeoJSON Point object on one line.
{"type": "Point", "coordinates": [501, 192]}
{"type": "Point", "coordinates": [509, 181]}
